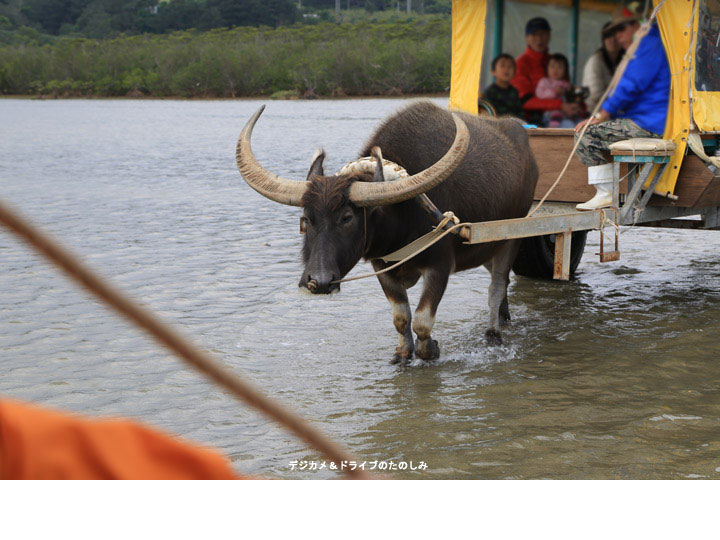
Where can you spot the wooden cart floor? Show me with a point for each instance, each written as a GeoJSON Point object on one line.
{"type": "Point", "coordinates": [697, 187]}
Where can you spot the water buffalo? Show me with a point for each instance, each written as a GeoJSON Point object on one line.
{"type": "Point", "coordinates": [481, 168]}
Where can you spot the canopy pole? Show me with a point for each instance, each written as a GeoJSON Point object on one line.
{"type": "Point", "coordinates": [574, 32]}
{"type": "Point", "coordinates": [499, 9]}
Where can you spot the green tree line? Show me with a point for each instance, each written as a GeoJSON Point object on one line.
{"type": "Point", "coordinates": [21, 19]}
{"type": "Point", "coordinates": [325, 59]}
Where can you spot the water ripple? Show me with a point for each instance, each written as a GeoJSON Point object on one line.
{"type": "Point", "coordinates": [613, 375]}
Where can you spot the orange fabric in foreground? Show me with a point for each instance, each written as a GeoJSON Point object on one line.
{"type": "Point", "coordinates": [39, 444]}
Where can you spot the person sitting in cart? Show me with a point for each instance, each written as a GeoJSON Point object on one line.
{"type": "Point", "coordinates": [501, 94]}
{"type": "Point", "coordinates": [637, 108]}
{"type": "Point", "coordinates": [531, 66]}
{"type": "Point", "coordinates": [600, 67]}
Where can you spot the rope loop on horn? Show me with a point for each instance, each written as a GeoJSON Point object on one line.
{"type": "Point", "coordinates": [391, 170]}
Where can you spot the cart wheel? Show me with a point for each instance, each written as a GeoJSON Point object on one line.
{"type": "Point", "coordinates": [485, 107]}
{"type": "Point", "coordinates": [536, 256]}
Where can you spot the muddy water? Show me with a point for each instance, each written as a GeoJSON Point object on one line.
{"type": "Point", "coordinates": [613, 375]}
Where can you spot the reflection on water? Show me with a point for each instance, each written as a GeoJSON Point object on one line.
{"type": "Point", "coordinates": [613, 375]}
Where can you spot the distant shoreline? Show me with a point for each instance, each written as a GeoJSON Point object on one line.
{"type": "Point", "coordinates": [244, 98]}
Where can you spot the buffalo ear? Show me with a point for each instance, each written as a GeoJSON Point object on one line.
{"type": "Point", "coordinates": [379, 175]}
{"type": "Point", "coordinates": [316, 167]}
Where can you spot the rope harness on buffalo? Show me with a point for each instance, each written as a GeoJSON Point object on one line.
{"type": "Point", "coordinates": [416, 247]}
{"type": "Point", "coordinates": [392, 171]}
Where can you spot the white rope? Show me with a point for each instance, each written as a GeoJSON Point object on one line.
{"type": "Point", "coordinates": [695, 143]}
{"type": "Point", "coordinates": [431, 236]}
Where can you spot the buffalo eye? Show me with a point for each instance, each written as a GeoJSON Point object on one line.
{"type": "Point", "coordinates": [346, 218]}
{"type": "Point", "coordinates": [304, 224]}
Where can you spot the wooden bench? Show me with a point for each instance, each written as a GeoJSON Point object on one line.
{"type": "Point", "coordinates": [654, 154]}
{"type": "Point", "coordinates": [697, 185]}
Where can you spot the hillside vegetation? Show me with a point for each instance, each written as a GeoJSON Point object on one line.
{"type": "Point", "coordinates": [323, 59]}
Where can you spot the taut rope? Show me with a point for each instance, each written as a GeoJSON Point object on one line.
{"type": "Point", "coordinates": [449, 216]}
{"type": "Point", "coordinates": [171, 338]}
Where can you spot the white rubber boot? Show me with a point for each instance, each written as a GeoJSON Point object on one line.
{"type": "Point", "coordinates": [600, 176]}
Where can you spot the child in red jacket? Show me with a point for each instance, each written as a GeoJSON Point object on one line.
{"type": "Point", "coordinates": [531, 66]}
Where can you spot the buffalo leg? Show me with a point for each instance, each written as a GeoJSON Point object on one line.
{"type": "Point", "coordinates": [397, 296]}
{"type": "Point", "coordinates": [434, 283]}
{"type": "Point", "coordinates": [497, 293]}
{"type": "Point", "coordinates": [504, 312]}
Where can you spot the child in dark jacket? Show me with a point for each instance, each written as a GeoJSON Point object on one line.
{"type": "Point", "coordinates": [501, 94]}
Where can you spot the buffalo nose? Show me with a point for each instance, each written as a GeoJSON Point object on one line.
{"type": "Point", "coordinates": [318, 285]}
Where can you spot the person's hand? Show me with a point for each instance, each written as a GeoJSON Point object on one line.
{"type": "Point", "coordinates": [559, 92]}
{"type": "Point", "coordinates": [580, 125]}
{"type": "Point", "coordinates": [570, 109]}
{"type": "Point", "coordinates": [604, 117]}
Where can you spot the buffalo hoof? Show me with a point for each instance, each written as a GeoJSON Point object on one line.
{"type": "Point", "coordinates": [493, 337]}
{"type": "Point", "coordinates": [402, 358]}
{"type": "Point", "coordinates": [429, 351]}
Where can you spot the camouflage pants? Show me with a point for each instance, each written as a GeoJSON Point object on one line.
{"type": "Point", "coordinates": [593, 149]}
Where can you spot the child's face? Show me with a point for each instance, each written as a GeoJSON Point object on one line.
{"type": "Point", "coordinates": [504, 70]}
{"type": "Point", "coordinates": [556, 69]}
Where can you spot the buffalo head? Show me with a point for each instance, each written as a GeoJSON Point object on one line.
{"type": "Point", "coordinates": [336, 208]}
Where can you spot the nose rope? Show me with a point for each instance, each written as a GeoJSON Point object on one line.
{"type": "Point", "coordinates": [424, 242]}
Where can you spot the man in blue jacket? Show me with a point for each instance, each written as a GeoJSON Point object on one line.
{"type": "Point", "coordinates": [637, 108]}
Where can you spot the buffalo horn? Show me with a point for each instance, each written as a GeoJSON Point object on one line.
{"type": "Point", "coordinates": [379, 193]}
{"type": "Point", "coordinates": [260, 179]}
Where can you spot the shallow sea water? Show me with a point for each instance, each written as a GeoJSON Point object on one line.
{"type": "Point", "coordinates": [613, 375]}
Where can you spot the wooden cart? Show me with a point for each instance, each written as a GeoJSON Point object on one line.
{"type": "Point", "coordinates": [554, 237]}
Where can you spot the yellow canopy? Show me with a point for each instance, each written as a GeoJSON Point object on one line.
{"type": "Point", "coordinates": [468, 34]}
{"type": "Point", "coordinates": [673, 18]}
